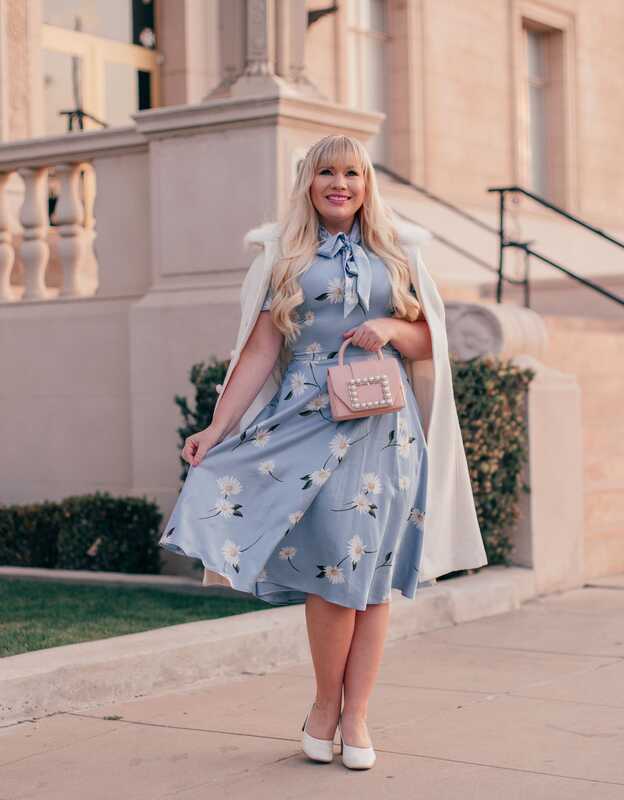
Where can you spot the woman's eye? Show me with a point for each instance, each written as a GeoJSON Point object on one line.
{"type": "Point", "coordinates": [349, 172]}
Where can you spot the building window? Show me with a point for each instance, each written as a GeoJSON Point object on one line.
{"type": "Point", "coordinates": [368, 64]}
{"type": "Point", "coordinates": [538, 129]}
{"type": "Point", "coordinates": [544, 119]}
{"type": "Point", "coordinates": [99, 62]}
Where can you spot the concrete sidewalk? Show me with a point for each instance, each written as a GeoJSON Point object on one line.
{"type": "Point", "coordinates": [528, 703]}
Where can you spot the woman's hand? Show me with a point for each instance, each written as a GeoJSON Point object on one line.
{"type": "Point", "coordinates": [197, 445]}
{"type": "Point", "coordinates": [372, 334]}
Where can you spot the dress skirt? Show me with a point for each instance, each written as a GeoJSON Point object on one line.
{"type": "Point", "coordinates": [300, 503]}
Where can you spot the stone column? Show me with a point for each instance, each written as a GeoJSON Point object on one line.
{"type": "Point", "coordinates": [297, 25]}
{"type": "Point", "coordinates": [259, 38]}
{"type": "Point", "coordinates": [263, 49]}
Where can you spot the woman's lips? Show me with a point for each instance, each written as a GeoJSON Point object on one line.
{"type": "Point", "coordinates": [337, 200]}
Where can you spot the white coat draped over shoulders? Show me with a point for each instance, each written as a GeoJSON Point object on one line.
{"type": "Point", "coordinates": [452, 538]}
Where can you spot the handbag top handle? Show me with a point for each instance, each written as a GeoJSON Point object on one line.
{"type": "Point", "coordinates": [343, 347]}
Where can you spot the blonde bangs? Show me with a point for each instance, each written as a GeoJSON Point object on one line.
{"type": "Point", "coordinates": [340, 151]}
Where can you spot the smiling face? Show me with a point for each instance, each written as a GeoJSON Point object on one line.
{"type": "Point", "coordinates": [337, 192]}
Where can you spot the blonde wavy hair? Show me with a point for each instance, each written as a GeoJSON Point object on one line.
{"type": "Point", "coordinates": [299, 235]}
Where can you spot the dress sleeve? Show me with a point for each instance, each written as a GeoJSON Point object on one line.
{"type": "Point", "coordinates": [267, 300]}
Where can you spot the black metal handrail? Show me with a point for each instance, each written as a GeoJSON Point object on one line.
{"type": "Point", "coordinates": [503, 242]}
{"type": "Point", "coordinates": [529, 251]}
{"type": "Point", "coordinates": [456, 210]}
{"type": "Point", "coordinates": [561, 211]}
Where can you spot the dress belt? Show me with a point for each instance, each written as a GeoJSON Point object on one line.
{"type": "Point", "coordinates": [350, 352]}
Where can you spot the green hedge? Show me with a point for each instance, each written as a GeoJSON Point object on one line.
{"type": "Point", "coordinates": [489, 395]}
{"type": "Point", "coordinates": [93, 532]}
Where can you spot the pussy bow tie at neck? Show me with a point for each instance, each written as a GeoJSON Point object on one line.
{"type": "Point", "coordinates": [355, 264]}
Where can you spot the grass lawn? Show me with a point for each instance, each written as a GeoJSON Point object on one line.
{"type": "Point", "coordinates": [37, 614]}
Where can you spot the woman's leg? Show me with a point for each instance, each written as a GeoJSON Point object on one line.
{"type": "Point", "coordinates": [330, 630]}
{"type": "Point", "coordinates": [361, 671]}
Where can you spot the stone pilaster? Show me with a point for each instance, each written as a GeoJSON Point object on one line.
{"type": "Point", "coordinates": [263, 49]}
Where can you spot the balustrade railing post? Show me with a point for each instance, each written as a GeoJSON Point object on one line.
{"type": "Point", "coordinates": [89, 270]}
{"type": "Point", "coordinates": [7, 253]}
{"type": "Point", "coordinates": [69, 218]}
{"type": "Point", "coordinates": [34, 250]}
{"type": "Point", "coordinates": [527, 270]}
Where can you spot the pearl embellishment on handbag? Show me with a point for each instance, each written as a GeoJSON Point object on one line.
{"type": "Point", "coordinates": [353, 383]}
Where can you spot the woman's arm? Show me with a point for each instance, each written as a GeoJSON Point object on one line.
{"type": "Point", "coordinates": [412, 339]}
{"type": "Point", "coordinates": [254, 366]}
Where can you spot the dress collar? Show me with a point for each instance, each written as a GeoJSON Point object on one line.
{"type": "Point", "coordinates": [354, 234]}
{"type": "Point", "coordinates": [355, 264]}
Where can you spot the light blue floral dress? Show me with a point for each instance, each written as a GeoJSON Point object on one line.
{"type": "Point", "coordinates": [298, 502]}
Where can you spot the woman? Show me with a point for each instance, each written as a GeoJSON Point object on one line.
{"type": "Point", "coordinates": [288, 504]}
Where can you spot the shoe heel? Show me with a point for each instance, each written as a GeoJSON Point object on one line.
{"type": "Point", "coordinates": [317, 749]}
{"type": "Point", "coordinates": [357, 757]}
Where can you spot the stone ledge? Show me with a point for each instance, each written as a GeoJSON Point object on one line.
{"type": "Point", "coordinates": [77, 676]}
{"type": "Point", "coordinates": [177, 583]}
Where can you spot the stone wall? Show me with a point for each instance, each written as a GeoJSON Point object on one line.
{"type": "Point", "coordinates": [592, 350]}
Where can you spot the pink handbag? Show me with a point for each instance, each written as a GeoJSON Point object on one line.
{"type": "Point", "coordinates": [364, 387]}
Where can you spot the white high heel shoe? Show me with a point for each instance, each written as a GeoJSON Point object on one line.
{"type": "Point", "coordinates": [316, 749]}
{"type": "Point", "coordinates": [356, 757]}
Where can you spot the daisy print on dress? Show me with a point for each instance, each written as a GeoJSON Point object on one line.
{"type": "Point", "coordinates": [338, 445]}
{"type": "Point", "coordinates": [333, 572]}
{"type": "Point", "coordinates": [232, 552]}
{"type": "Point", "coordinates": [403, 439]}
{"type": "Point", "coordinates": [293, 519]}
{"type": "Point", "coordinates": [228, 485]}
{"type": "Point", "coordinates": [357, 550]}
{"type": "Point", "coordinates": [315, 348]}
{"type": "Point", "coordinates": [319, 401]}
{"type": "Point", "coordinates": [371, 484]}
{"type": "Point", "coordinates": [260, 437]}
{"type": "Point", "coordinates": [308, 319]}
{"type": "Point", "coordinates": [286, 553]}
{"type": "Point", "coordinates": [334, 292]}
{"type": "Point", "coordinates": [266, 468]}
{"type": "Point", "coordinates": [297, 385]}
{"type": "Point", "coordinates": [317, 477]}
{"type": "Point", "coordinates": [316, 405]}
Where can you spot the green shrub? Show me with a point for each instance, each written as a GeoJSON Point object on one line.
{"type": "Point", "coordinates": [96, 532]}
{"type": "Point", "coordinates": [490, 397]}
{"type": "Point", "coordinates": [29, 533]}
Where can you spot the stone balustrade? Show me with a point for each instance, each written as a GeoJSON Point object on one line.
{"type": "Point", "coordinates": [32, 172]}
